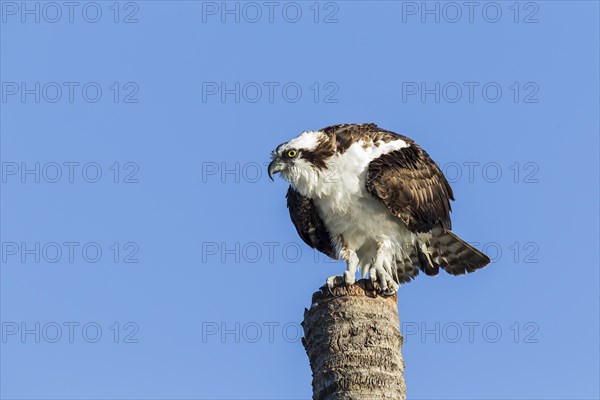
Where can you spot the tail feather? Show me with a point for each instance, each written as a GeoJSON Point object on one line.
{"type": "Point", "coordinates": [426, 262]}
{"type": "Point", "coordinates": [407, 266]}
{"type": "Point", "coordinates": [443, 249]}
{"type": "Point", "coordinates": [453, 254]}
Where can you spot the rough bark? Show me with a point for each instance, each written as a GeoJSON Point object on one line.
{"type": "Point", "coordinates": [353, 342]}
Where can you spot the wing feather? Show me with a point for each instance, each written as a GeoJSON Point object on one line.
{"type": "Point", "coordinates": [309, 225]}
{"type": "Point", "coordinates": [412, 187]}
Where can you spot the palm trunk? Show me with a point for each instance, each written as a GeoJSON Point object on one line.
{"type": "Point", "coordinates": [353, 341]}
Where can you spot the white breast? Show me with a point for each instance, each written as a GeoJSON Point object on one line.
{"type": "Point", "coordinates": [347, 209]}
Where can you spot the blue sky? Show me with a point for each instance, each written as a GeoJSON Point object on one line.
{"type": "Point", "coordinates": [146, 255]}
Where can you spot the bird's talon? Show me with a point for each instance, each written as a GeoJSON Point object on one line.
{"type": "Point", "coordinates": [389, 292]}
{"type": "Point", "coordinates": [333, 282]}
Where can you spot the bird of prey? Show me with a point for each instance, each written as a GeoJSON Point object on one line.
{"type": "Point", "coordinates": [375, 199]}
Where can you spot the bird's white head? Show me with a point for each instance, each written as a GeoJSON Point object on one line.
{"type": "Point", "coordinates": [300, 160]}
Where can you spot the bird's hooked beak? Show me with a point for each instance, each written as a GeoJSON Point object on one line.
{"type": "Point", "coordinates": [275, 166]}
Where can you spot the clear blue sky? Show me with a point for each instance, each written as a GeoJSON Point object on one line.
{"type": "Point", "coordinates": [177, 105]}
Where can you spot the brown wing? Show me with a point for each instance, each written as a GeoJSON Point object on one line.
{"type": "Point", "coordinates": [309, 225]}
{"type": "Point", "coordinates": [412, 187]}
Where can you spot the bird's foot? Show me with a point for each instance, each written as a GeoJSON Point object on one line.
{"type": "Point", "coordinates": [349, 277]}
{"type": "Point", "coordinates": [333, 282]}
{"type": "Point", "coordinates": [383, 280]}
{"type": "Point", "coordinates": [336, 281]}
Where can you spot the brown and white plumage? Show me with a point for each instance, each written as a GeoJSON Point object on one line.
{"type": "Point", "coordinates": [375, 199]}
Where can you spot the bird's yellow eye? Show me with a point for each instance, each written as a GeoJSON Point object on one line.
{"type": "Point", "coordinates": [292, 153]}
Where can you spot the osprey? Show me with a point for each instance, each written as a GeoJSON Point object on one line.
{"type": "Point", "coordinates": [375, 199]}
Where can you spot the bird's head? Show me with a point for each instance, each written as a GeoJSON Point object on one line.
{"type": "Point", "coordinates": [301, 158]}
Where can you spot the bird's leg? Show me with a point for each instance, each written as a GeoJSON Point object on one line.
{"type": "Point", "coordinates": [351, 267]}
{"type": "Point", "coordinates": [349, 276]}
{"type": "Point", "coordinates": [380, 273]}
